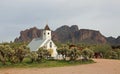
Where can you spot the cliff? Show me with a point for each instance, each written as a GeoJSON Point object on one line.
{"type": "Point", "coordinates": [71, 34]}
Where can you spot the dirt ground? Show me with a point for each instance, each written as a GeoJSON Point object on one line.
{"type": "Point", "coordinates": [103, 66]}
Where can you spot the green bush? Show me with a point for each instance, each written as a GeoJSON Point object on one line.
{"type": "Point", "coordinates": [43, 54]}
{"type": "Point", "coordinates": [111, 55]}
{"type": "Point", "coordinates": [74, 54]}
{"type": "Point", "coordinates": [101, 49]}
{"type": "Point", "coordinates": [87, 53]}
{"type": "Point", "coordinates": [118, 53]}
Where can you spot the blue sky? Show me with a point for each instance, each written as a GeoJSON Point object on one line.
{"type": "Point", "coordinates": [17, 15]}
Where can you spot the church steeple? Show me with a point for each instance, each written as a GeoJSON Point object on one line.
{"type": "Point", "coordinates": [46, 27]}
{"type": "Point", "coordinates": [46, 32]}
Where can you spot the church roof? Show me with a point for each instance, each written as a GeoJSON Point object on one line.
{"type": "Point", "coordinates": [36, 43]}
{"type": "Point", "coordinates": [47, 27]}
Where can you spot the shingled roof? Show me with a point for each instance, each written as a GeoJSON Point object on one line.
{"type": "Point", "coordinates": [47, 27]}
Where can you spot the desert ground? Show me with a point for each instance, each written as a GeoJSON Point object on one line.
{"type": "Point", "coordinates": [102, 66]}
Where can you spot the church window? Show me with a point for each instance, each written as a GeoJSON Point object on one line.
{"type": "Point", "coordinates": [48, 33]}
{"type": "Point", "coordinates": [50, 44]}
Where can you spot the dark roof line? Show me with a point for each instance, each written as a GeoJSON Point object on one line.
{"type": "Point", "coordinates": [46, 27]}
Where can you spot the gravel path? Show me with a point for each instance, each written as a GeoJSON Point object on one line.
{"type": "Point", "coordinates": [103, 66]}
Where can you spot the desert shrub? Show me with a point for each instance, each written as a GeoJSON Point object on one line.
{"type": "Point", "coordinates": [87, 53]}
{"type": "Point", "coordinates": [74, 53]}
{"type": "Point", "coordinates": [101, 49]}
{"type": "Point", "coordinates": [33, 56]}
{"type": "Point", "coordinates": [6, 53]}
{"type": "Point", "coordinates": [111, 54]}
{"type": "Point", "coordinates": [118, 53]}
{"type": "Point", "coordinates": [21, 52]}
{"type": "Point", "coordinates": [66, 53]}
{"type": "Point", "coordinates": [43, 54]}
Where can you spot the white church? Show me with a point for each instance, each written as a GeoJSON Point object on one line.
{"type": "Point", "coordinates": [45, 41]}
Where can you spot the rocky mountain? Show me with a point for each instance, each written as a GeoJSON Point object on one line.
{"type": "Point", "coordinates": [29, 34]}
{"type": "Point", "coordinates": [71, 34]}
{"type": "Point", "coordinates": [113, 41]}
{"type": "Point", "coordinates": [74, 35]}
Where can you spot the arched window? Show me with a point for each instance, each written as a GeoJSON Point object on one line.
{"type": "Point", "coordinates": [50, 44]}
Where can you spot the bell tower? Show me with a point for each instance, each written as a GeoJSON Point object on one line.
{"type": "Point", "coordinates": [46, 32]}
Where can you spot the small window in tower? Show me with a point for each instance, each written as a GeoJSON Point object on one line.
{"type": "Point", "coordinates": [44, 33]}
{"type": "Point", "coordinates": [48, 33]}
{"type": "Point", "coordinates": [50, 44]}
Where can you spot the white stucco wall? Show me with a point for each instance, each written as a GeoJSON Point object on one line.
{"type": "Point", "coordinates": [54, 47]}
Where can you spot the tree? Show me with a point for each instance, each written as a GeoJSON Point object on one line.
{"type": "Point", "coordinates": [33, 56]}
{"type": "Point", "coordinates": [111, 54]}
{"type": "Point", "coordinates": [21, 52]}
{"type": "Point", "coordinates": [87, 53]}
{"type": "Point", "coordinates": [118, 53]}
{"type": "Point", "coordinates": [2, 54]}
{"type": "Point", "coordinates": [101, 49]}
{"type": "Point", "coordinates": [74, 53]}
{"type": "Point", "coordinates": [59, 50]}
{"type": "Point", "coordinates": [67, 53]}
{"type": "Point", "coordinates": [6, 53]}
{"type": "Point", "coordinates": [42, 54]}
{"type": "Point", "coordinates": [10, 54]}
{"type": "Point", "coordinates": [64, 51]}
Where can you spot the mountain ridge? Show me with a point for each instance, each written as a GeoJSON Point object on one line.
{"type": "Point", "coordinates": [71, 34]}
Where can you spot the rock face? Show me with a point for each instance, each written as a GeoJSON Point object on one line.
{"type": "Point", "coordinates": [113, 41]}
{"type": "Point", "coordinates": [74, 35]}
{"type": "Point", "coordinates": [65, 34]}
{"type": "Point", "coordinates": [29, 34]}
{"type": "Point", "coordinates": [118, 40]}
{"type": "Point", "coordinates": [89, 36]}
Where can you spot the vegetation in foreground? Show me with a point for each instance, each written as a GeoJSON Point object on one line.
{"type": "Point", "coordinates": [19, 55]}
{"type": "Point", "coordinates": [46, 64]}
